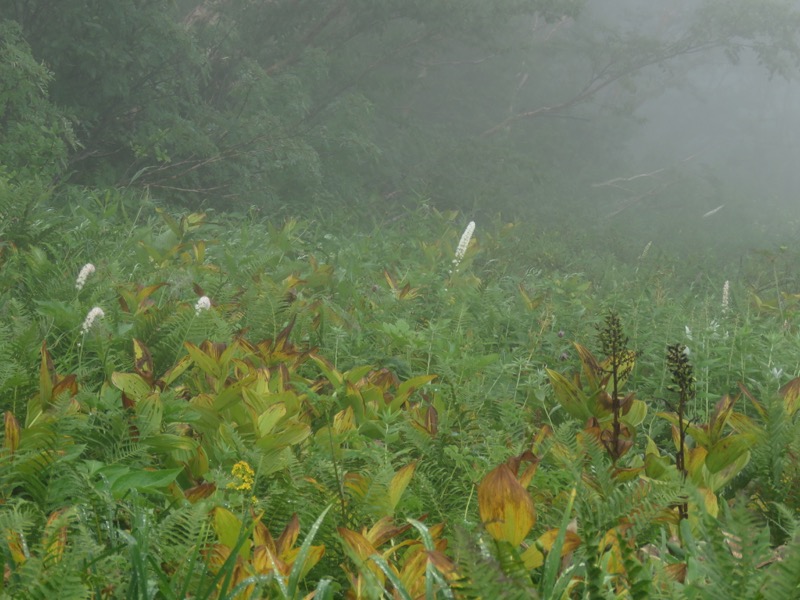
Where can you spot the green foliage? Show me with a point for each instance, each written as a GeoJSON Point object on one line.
{"type": "Point", "coordinates": [36, 135]}
{"type": "Point", "coordinates": [190, 447]}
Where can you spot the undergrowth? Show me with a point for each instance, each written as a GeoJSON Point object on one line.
{"type": "Point", "coordinates": [399, 410]}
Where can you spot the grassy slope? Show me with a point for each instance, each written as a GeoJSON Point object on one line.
{"type": "Point", "coordinates": [97, 506]}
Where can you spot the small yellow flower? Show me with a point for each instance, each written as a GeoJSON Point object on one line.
{"type": "Point", "coordinates": [244, 477]}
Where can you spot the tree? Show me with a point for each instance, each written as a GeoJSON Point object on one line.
{"type": "Point", "coordinates": [232, 102]}
{"type": "Point", "coordinates": [35, 136]}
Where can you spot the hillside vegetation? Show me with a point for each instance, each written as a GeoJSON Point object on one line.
{"type": "Point", "coordinates": [292, 308]}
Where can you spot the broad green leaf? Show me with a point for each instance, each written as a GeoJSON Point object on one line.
{"type": "Point", "coordinates": [131, 384]}
{"type": "Point", "coordinates": [168, 442]}
{"type": "Point", "coordinates": [728, 450]}
{"type": "Point", "coordinates": [408, 387]}
{"type": "Point", "coordinates": [230, 395]}
{"type": "Point", "coordinates": [149, 413]}
{"type": "Point", "coordinates": [269, 418]}
{"type": "Point", "coordinates": [719, 418]}
{"type": "Point", "coordinates": [291, 434]}
{"type": "Point", "coordinates": [569, 396]}
{"type": "Point", "coordinates": [355, 374]}
{"type": "Point", "coordinates": [141, 479]}
{"type": "Point", "coordinates": [657, 467]}
{"type": "Point", "coordinates": [720, 479]}
{"type": "Point", "coordinates": [636, 415]}
{"type": "Point", "coordinates": [206, 363]}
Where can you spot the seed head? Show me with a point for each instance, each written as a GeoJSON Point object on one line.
{"type": "Point", "coordinates": [681, 369]}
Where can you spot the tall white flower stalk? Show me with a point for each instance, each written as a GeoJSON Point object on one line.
{"type": "Point", "coordinates": [91, 318]}
{"type": "Point", "coordinates": [463, 244]}
{"type": "Point", "coordinates": [83, 275]}
{"type": "Point", "coordinates": [726, 296]}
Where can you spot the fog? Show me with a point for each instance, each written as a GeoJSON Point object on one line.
{"type": "Point", "coordinates": [710, 149]}
{"type": "Point", "coordinates": [638, 121]}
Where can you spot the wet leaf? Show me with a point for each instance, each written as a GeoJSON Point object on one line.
{"type": "Point", "coordinates": [289, 535]}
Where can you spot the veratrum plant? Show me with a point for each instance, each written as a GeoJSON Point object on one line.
{"type": "Point", "coordinates": [595, 395]}
{"type": "Point", "coordinates": [412, 568]}
{"type": "Point", "coordinates": [245, 551]}
{"type": "Point", "coordinates": [713, 458]}
{"type": "Point", "coordinates": [508, 514]}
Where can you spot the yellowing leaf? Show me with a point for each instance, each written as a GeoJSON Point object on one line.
{"type": "Point", "coordinates": [143, 362]}
{"type": "Point", "coordinates": [289, 535]}
{"type": "Point", "coordinates": [694, 460]}
{"type": "Point", "coordinates": [207, 364]}
{"type": "Point", "coordinates": [719, 418]}
{"type": "Point", "coordinates": [315, 553]}
{"type": "Point", "coordinates": [506, 508]}
{"type": "Point", "coordinates": [344, 421]}
{"type": "Point", "coordinates": [383, 530]}
{"type": "Point", "coordinates": [569, 395]}
{"type": "Point", "coordinates": [198, 492]}
{"type": "Point", "coordinates": [56, 535]}
{"type": "Point", "coordinates": [16, 546]}
{"type": "Point", "coordinates": [710, 501]}
{"type": "Point", "coordinates": [132, 385]}
{"type": "Point", "coordinates": [612, 553]}
{"type": "Point", "coordinates": [727, 450]}
{"type": "Point", "coordinates": [532, 558]}
{"type": "Point", "coordinates": [399, 483]}
{"type": "Point", "coordinates": [791, 396]}
{"type": "Point", "coordinates": [546, 541]}
{"type": "Point", "coordinates": [636, 414]}
{"type": "Point", "coordinates": [265, 561]}
{"type": "Point", "coordinates": [12, 429]}
{"type": "Point", "coordinates": [592, 369]}
{"type": "Point", "coordinates": [269, 418]}
{"type": "Point", "coordinates": [227, 526]}
{"type": "Point", "coordinates": [360, 548]}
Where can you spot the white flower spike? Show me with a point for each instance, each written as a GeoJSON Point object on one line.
{"type": "Point", "coordinates": [94, 314]}
{"type": "Point", "coordinates": [726, 296]}
{"type": "Point", "coordinates": [463, 244]}
{"type": "Point", "coordinates": [85, 271]}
